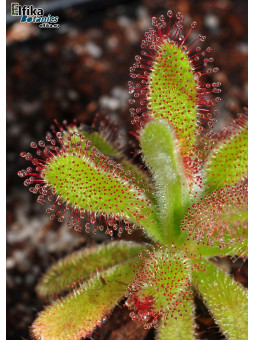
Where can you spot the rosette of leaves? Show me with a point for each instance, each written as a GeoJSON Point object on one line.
{"type": "Point", "coordinates": [191, 208]}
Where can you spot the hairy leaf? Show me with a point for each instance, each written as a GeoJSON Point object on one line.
{"type": "Point", "coordinates": [181, 327]}
{"type": "Point", "coordinates": [89, 184]}
{"type": "Point", "coordinates": [167, 84]}
{"type": "Point", "coordinates": [108, 148]}
{"type": "Point", "coordinates": [220, 221]}
{"type": "Point", "coordinates": [77, 315]}
{"type": "Point", "coordinates": [173, 93]}
{"type": "Point", "coordinates": [83, 264]}
{"type": "Point", "coordinates": [228, 162]}
{"type": "Point", "coordinates": [159, 149]}
{"type": "Point", "coordinates": [161, 287]}
{"type": "Point", "coordinates": [100, 142]}
{"type": "Point", "coordinates": [226, 299]}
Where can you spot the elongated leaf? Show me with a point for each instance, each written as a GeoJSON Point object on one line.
{"type": "Point", "coordinates": [83, 264]}
{"type": "Point", "coordinates": [182, 327]}
{"type": "Point", "coordinates": [220, 221]}
{"type": "Point", "coordinates": [228, 162]}
{"type": "Point", "coordinates": [171, 99]}
{"type": "Point", "coordinates": [89, 184]}
{"type": "Point", "coordinates": [82, 183]}
{"type": "Point", "coordinates": [226, 299]}
{"type": "Point", "coordinates": [159, 149]}
{"type": "Point", "coordinates": [79, 313]}
{"type": "Point", "coordinates": [167, 82]}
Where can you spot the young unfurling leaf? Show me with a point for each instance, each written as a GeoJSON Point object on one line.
{"type": "Point", "coordinates": [160, 154]}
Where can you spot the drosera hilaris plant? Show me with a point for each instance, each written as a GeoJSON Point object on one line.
{"type": "Point", "coordinates": [192, 207]}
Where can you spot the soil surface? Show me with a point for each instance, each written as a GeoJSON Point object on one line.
{"type": "Point", "coordinates": [74, 72]}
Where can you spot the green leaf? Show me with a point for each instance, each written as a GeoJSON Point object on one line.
{"type": "Point", "coordinates": [220, 221]}
{"type": "Point", "coordinates": [173, 93]}
{"type": "Point", "coordinates": [226, 299]}
{"type": "Point", "coordinates": [83, 264]}
{"type": "Point", "coordinates": [161, 286]}
{"type": "Point", "coordinates": [99, 140]}
{"type": "Point", "coordinates": [228, 162]}
{"type": "Point", "coordinates": [239, 249]}
{"type": "Point", "coordinates": [77, 315]}
{"type": "Point", "coordinates": [90, 184]}
{"type": "Point", "coordinates": [160, 154]}
{"type": "Point", "coordinates": [182, 327]}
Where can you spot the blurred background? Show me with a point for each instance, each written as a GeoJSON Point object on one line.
{"type": "Point", "coordinates": [76, 71]}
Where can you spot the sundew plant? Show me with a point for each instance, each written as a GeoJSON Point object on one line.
{"type": "Point", "coordinates": [189, 199]}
